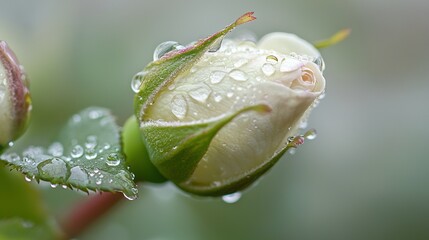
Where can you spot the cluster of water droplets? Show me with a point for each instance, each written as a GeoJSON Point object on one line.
{"type": "Point", "coordinates": [92, 163]}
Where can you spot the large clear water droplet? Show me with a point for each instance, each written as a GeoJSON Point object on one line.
{"type": "Point", "coordinates": [137, 81]}
{"type": "Point", "coordinates": [216, 45]}
{"type": "Point", "coordinates": [131, 195]}
{"type": "Point", "coordinates": [200, 93]}
{"type": "Point", "coordinates": [78, 176]}
{"type": "Point", "coordinates": [268, 69]}
{"type": "Point", "coordinates": [238, 75]}
{"type": "Point", "coordinates": [232, 198]}
{"type": "Point", "coordinates": [113, 160]}
{"type": "Point", "coordinates": [165, 48]}
{"type": "Point", "coordinates": [54, 168]}
{"type": "Point", "coordinates": [271, 59]}
{"type": "Point", "coordinates": [320, 63]}
{"type": "Point", "coordinates": [179, 106]}
{"type": "Point", "coordinates": [217, 76]}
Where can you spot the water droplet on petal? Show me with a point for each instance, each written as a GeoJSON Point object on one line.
{"type": "Point", "coordinates": [268, 69]}
{"type": "Point", "coordinates": [217, 97]}
{"type": "Point", "coordinates": [238, 75]}
{"type": "Point", "coordinates": [165, 48]}
{"type": "Point", "coordinates": [77, 151]}
{"type": "Point", "coordinates": [229, 94]}
{"type": "Point", "coordinates": [271, 59]}
{"type": "Point", "coordinates": [232, 198]}
{"type": "Point", "coordinates": [179, 106]}
{"type": "Point", "coordinates": [200, 93]}
{"type": "Point", "coordinates": [290, 65]}
{"type": "Point", "coordinates": [320, 63]}
{"type": "Point", "coordinates": [91, 141]}
{"type": "Point", "coordinates": [217, 76]}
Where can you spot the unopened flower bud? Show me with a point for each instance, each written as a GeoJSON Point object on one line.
{"type": "Point", "coordinates": [15, 101]}
{"type": "Point", "coordinates": [215, 118]}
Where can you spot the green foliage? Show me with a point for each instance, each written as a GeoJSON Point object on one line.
{"type": "Point", "coordinates": [87, 155]}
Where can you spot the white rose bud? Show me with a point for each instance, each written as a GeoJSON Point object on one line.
{"type": "Point", "coordinates": [215, 119]}
{"type": "Point", "coordinates": [15, 101]}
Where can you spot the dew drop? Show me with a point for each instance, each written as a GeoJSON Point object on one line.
{"type": "Point", "coordinates": [320, 63]}
{"type": "Point", "coordinates": [64, 186]}
{"type": "Point", "coordinates": [131, 195]}
{"type": "Point", "coordinates": [217, 76]}
{"type": "Point", "coordinates": [216, 45]}
{"type": "Point", "coordinates": [95, 114]}
{"type": "Point", "coordinates": [229, 94]}
{"type": "Point", "coordinates": [232, 198]}
{"type": "Point", "coordinates": [56, 149]}
{"type": "Point", "coordinates": [90, 153]}
{"type": "Point", "coordinates": [78, 176]}
{"type": "Point", "coordinates": [77, 151]}
{"type": "Point", "coordinates": [303, 124]}
{"type": "Point", "coordinates": [113, 160]}
{"type": "Point", "coordinates": [217, 97]}
{"type": "Point", "coordinates": [54, 185]}
{"type": "Point", "coordinates": [53, 168]}
{"type": "Point", "coordinates": [165, 48]}
{"type": "Point", "coordinates": [310, 134]}
{"type": "Point", "coordinates": [200, 93]}
{"type": "Point", "coordinates": [27, 178]}
{"type": "Point", "coordinates": [271, 59]}
{"type": "Point", "coordinates": [98, 181]}
{"type": "Point", "coordinates": [179, 106]}
{"type": "Point", "coordinates": [137, 81]}
{"type": "Point", "coordinates": [268, 69]}
{"type": "Point", "coordinates": [290, 65]}
{"type": "Point", "coordinates": [238, 75]}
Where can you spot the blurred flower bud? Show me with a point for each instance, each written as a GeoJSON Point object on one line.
{"type": "Point", "coordinates": [15, 101]}
{"type": "Point", "coordinates": [216, 117]}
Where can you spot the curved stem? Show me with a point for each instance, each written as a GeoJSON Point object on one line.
{"type": "Point", "coordinates": [84, 214]}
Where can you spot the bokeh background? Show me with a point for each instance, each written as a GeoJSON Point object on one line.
{"type": "Point", "coordinates": [364, 177]}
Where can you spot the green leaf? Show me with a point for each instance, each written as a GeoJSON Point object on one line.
{"type": "Point", "coordinates": [19, 229]}
{"type": "Point", "coordinates": [176, 148]}
{"type": "Point", "coordinates": [87, 155]}
{"type": "Point", "coordinates": [159, 74]}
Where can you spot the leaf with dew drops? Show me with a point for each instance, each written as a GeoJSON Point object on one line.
{"type": "Point", "coordinates": [87, 156]}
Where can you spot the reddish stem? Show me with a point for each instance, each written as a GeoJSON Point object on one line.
{"type": "Point", "coordinates": [87, 212]}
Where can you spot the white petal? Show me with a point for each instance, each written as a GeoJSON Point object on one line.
{"type": "Point", "coordinates": [287, 43]}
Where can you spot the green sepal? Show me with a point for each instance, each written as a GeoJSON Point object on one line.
{"type": "Point", "coordinates": [136, 154]}
{"type": "Point", "coordinates": [159, 74]}
{"type": "Point", "coordinates": [334, 39]}
{"type": "Point", "coordinates": [176, 148]}
{"type": "Point", "coordinates": [242, 182]}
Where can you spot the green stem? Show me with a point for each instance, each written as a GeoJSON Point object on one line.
{"type": "Point", "coordinates": [84, 214]}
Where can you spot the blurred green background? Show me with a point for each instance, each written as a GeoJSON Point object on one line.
{"type": "Point", "coordinates": [364, 177]}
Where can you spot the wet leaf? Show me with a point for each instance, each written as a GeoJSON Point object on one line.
{"type": "Point", "coordinates": [87, 156]}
